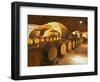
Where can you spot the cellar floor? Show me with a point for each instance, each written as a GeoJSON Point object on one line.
{"type": "Point", "coordinates": [76, 56]}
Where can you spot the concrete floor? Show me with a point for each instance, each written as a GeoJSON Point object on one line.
{"type": "Point", "coordinates": [75, 57]}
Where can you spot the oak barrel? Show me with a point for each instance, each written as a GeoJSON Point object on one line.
{"type": "Point", "coordinates": [62, 48]}
{"type": "Point", "coordinates": [69, 45]}
{"type": "Point", "coordinates": [74, 44]}
{"type": "Point", "coordinates": [51, 52]}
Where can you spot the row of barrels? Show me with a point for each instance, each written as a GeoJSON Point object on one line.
{"type": "Point", "coordinates": [42, 39]}
{"type": "Point", "coordinates": [49, 52]}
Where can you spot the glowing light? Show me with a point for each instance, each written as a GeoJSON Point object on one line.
{"type": "Point", "coordinates": [53, 26]}
{"type": "Point", "coordinates": [47, 33]}
{"type": "Point", "coordinates": [56, 26]}
{"type": "Point", "coordinates": [47, 30]}
{"type": "Point", "coordinates": [79, 60]}
{"type": "Point", "coordinates": [81, 22]}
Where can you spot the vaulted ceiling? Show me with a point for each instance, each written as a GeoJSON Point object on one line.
{"type": "Point", "coordinates": [72, 23]}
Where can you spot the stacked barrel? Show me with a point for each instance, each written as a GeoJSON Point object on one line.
{"type": "Point", "coordinates": [46, 50]}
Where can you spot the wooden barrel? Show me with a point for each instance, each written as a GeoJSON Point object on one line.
{"type": "Point", "coordinates": [47, 39]}
{"type": "Point", "coordinates": [62, 48]}
{"type": "Point", "coordinates": [51, 52]}
{"type": "Point", "coordinates": [42, 40]}
{"type": "Point", "coordinates": [51, 39]}
{"type": "Point", "coordinates": [69, 45]}
{"type": "Point", "coordinates": [78, 41]}
{"type": "Point", "coordinates": [36, 40]}
{"type": "Point", "coordinates": [74, 44]}
{"type": "Point", "coordinates": [30, 41]}
{"type": "Point", "coordinates": [55, 38]}
{"type": "Point", "coordinates": [83, 39]}
{"type": "Point", "coordinates": [35, 57]}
